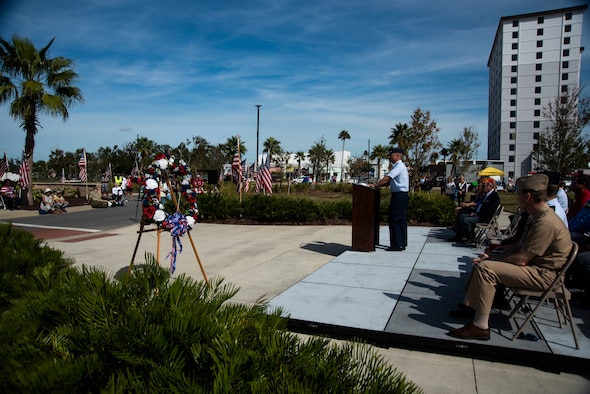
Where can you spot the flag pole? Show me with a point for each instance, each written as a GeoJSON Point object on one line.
{"type": "Point", "coordinates": [86, 161]}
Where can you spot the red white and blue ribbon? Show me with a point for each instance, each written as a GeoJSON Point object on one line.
{"type": "Point", "coordinates": [178, 226]}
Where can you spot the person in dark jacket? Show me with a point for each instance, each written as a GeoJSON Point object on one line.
{"type": "Point", "coordinates": [465, 224]}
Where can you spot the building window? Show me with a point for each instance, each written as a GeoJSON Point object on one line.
{"type": "Point", "coordinates": [565, 64]}
{"type": "Point", "coordinates": [512, 147]}
{"type": "Point", "coordinates": [513, 91]}
{"type": "Point", "coordinates": [563, 88]}
{"type": "Point", "coordinates": [513, 114]}
{"type": "Point", "coordinates": [537, 101]}
{"type": "Point", "coordinates": [535, 147]}
{"type": "Point", "coordinates": [513, 103]}
{"type": "Point", "coordinates": [539, 43]}
{"type": "Point", "coordinates": [514, 58]}
{"type": "Point", "coordinates": [514, 34]}
{"type": "Point", "coordinates": [514, 69]}
{"type": "Point", "coordinates": [566, 40]}
{"type": "Point", "coordinates": [536, 136]}
{"type": "Point", "coordinates": [511, 159]}
{"type": "Point", "coordinates": [515, 45]}
{"type": "Point", "coordinates": [568, 16]}
{"type": "Point", "coordinates": [512, 136]}
{"type": "Point", "coordinates": [538, 78]}
{"type": "Point", "coordinates": [537, 89]}
{"type": "Point", "coordinates": [566, 52]}
{"type": "Point", "coordinates": [515, 23]}
{"type": "Point", "coordinates": [512, 125]}
{"type": "Point", "coordinates": [539, 66]}
{"type": "Point", "coordinates": [568, 28]}
{"type": "Point", "coordinates": [537, 112]}
{"type": "Point", "coordinates": [540, 19]}
{"type": "Point", "coordinates": [536, 124]}
{"type": "Point", "coordinates": [563, 99]}
{"type": "Point", "coordinates": [564, 77]}
{"type": "Point", "coordinates": [539, 32]}
{"type": "Point", "coordinates": [513, 80]}
{"type": "Point", "coordinates": [539, 55]}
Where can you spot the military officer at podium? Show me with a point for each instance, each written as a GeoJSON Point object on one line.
{"type": "Point", "coordinates": [398, 181]}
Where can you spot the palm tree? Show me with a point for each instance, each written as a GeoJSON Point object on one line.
{"type": "Point", "coordinates": [299, 155]}
{"type": "Point", "coordinates": [379, 152]}
{"type": "Point", "coordinates": [146, 149]}
{"type": "Point", "coordinates": [271, 147]}
{"type": "Point", "coordinates": [343, 135]}
{"type": "Point", "coordinates": [229, 148]}
{"type": "Point", "coordinates": [399, 134]}
{"type": "Point", "coordinates": [38, 84]}
{"type": "Point", "coordinates": [456, 148]}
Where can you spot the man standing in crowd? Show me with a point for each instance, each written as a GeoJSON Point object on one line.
{"type": "Point", "coordinates": [398, 181]}
{"type": "Point", "coordinates": [532, 263]}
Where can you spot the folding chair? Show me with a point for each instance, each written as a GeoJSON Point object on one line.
{"type": "Point", "coordinates": [557, 293]}
{"type": "Point", "coordinates": [482, 229]}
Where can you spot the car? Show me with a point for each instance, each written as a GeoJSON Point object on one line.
{"type": "Point", "coordinates": [302, 179]}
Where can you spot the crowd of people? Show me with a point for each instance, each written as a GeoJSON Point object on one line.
{"type": "Point", "coordinates": [53, 203]}
{"type": "Point", "coordinates": [544, 228]}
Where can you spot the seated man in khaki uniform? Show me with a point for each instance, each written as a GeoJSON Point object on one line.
{"type": "Point", "coordinates": [530, 263]}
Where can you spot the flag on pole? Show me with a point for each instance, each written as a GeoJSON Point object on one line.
{"type": "Point", "coordinates": [4, 166]}
{"type": "Point", "coordinates": [82, 164]}
{"type": "Point", "coordinates": [63, 176]}
{"type": "Point", "coordinates": [245, 176]}
{"type": "Point", "coordinates": [108, 172]}
{"type": "Point", "coordinates": [23, 172]}
{"type": "Point", "coordinates": [236, 165]}
{"type": "Point", "coordinates": [265, 177]}
{"type": "Point", "coordinates": [135, 169]}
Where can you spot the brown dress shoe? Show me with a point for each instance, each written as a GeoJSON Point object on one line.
{"type": "Point", "coordinates": [470, 331]}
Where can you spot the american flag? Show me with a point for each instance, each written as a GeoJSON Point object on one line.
{"type": "Point", "coordinates": [82, 164]}
{"type": "Point", "coordinates": [265, 177]}
{"type": "Point", "coordinates": [23, 172]}
{"type": "Point", "coordinates": [245, 176]}
{"type": "Point", "coordinates": [236, 165]}
{"type": "Point", "coordinates": [107, 173]}
{"type": "Point", "coordinates": [4, 166]}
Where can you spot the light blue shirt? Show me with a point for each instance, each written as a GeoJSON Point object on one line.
{"type": "Point", "coordinates": [399, 180]}
{"type": "Point", "coordinates": [562, 198]}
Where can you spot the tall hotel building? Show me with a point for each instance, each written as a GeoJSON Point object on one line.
{"type": "Point", "coordinates": [535, 58]}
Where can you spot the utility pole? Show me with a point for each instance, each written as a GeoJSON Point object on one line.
{"type": "Point", "coordinates": [257, 133]}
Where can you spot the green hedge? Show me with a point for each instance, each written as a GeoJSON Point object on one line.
{"type": "Point", "coordinates": [424, 208]}
{"type": "Point", "coordinates": [67, 330]}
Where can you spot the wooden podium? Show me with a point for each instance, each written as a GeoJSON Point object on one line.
{"type": "Point", "coordinates": [365, 218]}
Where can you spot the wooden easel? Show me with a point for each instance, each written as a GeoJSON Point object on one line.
{"type": "Point", "coordinates": [159, 231]}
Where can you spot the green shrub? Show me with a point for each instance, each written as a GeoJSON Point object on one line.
{"type": "Point", "coordinates": [80, 330]}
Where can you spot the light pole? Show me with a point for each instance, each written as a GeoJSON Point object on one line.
{"type": "Point", "coordinates": [257, 132]}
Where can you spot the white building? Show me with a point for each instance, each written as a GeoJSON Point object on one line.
{"type": "Point", "coordinates": [535, 58]}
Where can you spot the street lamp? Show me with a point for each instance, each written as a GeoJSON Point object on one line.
{"type": "Point", "coordinates": [257, 132]}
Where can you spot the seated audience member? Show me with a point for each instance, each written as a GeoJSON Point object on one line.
{"type": "Point", "coordinates": [533, 262]}
{"type": "Point", "coordinates": [474, 201]}
{"type": "Point", "coordinates": [562, 197]}
{"type": "Point", "coordinates": [554, 203]}
{"type": "Point", "coordinates": [580, 224]}
{"type": "Point", "coordinates": [96, 200]}
{"type": "Point", "coordinates": [581, 189]}
{"type": "Point", "coordinates": [484, 212]}
{"type": "Point", "coordinates": [8, 194]}
{"type": "Point", "coordinates": [117, 194]}
{"type": "Point", "coordinates": [59, 202]}
{"type": "Point", "coordinates": [46, 205]}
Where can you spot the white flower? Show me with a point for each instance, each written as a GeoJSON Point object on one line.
{"type": "Point", "coordinates": [190, 221]}
{"type": "Point", "coordinates": [159, 216]}
{"type": "Point", "coordinates": [151, 184]}
{"type": "Point", "coordinates": [163, 164]}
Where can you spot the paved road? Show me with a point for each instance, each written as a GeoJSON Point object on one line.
{"type": "Point", "coordinates": [80, 218]}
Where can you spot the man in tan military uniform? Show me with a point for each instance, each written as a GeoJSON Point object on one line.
{"type": "Point", "coordinates": [531, 263]}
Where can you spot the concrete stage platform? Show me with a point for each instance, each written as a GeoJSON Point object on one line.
{"type": "Point", "coordinates": [402, 299]}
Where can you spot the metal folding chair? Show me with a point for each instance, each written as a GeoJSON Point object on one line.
{"type": "Point", "coordinates": [557, 294]}
{"type": "Point", "coordinates": [482, 229]}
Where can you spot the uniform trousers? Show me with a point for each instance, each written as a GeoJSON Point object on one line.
{"type": "Point", "coordinates": [480, 288]}
{"type": "Point", "coordinates": [398, 219]}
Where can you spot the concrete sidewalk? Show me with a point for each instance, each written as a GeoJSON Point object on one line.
{"type": "Point", "coordinates": [264, 261]}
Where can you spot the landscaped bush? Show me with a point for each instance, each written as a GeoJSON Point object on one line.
{"type": "Point", "coordinates": [81, 330]}
{"type": "Point", "coordinates": [424, 208]}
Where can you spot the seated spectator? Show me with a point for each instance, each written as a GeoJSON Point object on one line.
{"type": "Point", "coordinates": [46, 205]}
{"type": "Point", "coordinates": [471, 205]}
{"type": "Point", "coordinates": [531, 263]}
{"type": "Point", "coordinates": [59, 202]}
{"type": "Point", "coordinates": [117, 195]}
{"type": "Point", "coordinates": [465, 223]}
{"type": "Point", "coordinates": [8, 195]}
{"type": "Point", "coordinates": [581, 189]}
{"type": "Point", "coordinates": [96, 200]}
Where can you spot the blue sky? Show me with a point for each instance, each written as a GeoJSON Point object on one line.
{"type": "Point", "coordinates": [176, 69]}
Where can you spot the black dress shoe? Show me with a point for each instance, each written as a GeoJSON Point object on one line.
{"type": "Point", "coordinates": [396, 249]}
{"type": "Point", "coordinates": [470, 331]}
